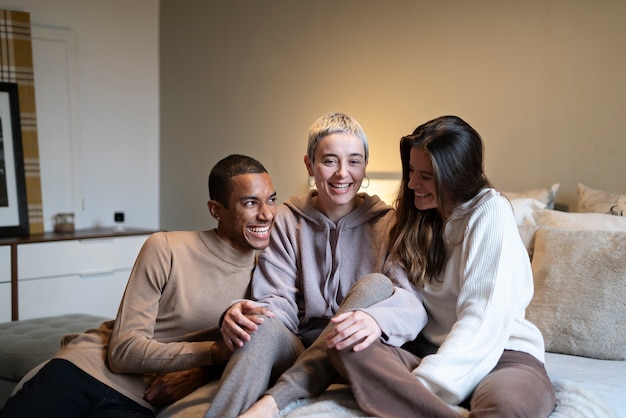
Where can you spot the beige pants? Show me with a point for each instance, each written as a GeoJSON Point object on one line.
{"type": "Point", "coordinates": [383, 385]}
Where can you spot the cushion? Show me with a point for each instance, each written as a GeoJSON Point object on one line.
{"type": "Point", "coordinates": [572, 220]}
{"type": "Point", "coordinates": [24, 344]}
{"type": "Point", "coordinates": [546, 196]}
{"type": "Point", "coordinates": [580, 289]}
{"type": "Point", "coordinates": [544, 218]}
{"type": "Point", "coordinates": [527, 233]}
{"type": "Point", "coordinates": [523, 209]}
{"type": "Point", "coordinates": [600, 201]}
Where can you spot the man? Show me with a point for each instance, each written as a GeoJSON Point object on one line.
{"type": "Point", "coordinates": [165, 341]}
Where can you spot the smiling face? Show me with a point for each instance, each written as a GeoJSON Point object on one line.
{"type": "Point", "coordinates": [422, 180]}
{"type": "Point", "coordinates": [338, 168]}
{"type": "Point", "coordinates": [246, 223]}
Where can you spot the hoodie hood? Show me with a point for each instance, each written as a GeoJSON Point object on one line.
{"type": "Point", "coordinates": [371, 208]}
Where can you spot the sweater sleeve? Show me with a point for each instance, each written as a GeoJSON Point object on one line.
{"type": "Point", "coordinates": [275, 279]}
{"type": "Point", "coordinates": [491, 275]}
{"type": "Point", "coordinates": [133, 348]}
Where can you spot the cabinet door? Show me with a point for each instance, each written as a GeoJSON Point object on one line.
{"type": "Point", "coordinates": [75, 276]}
{"type": "Point", "coordinates": [97, 294]}
{"type": "Point", "coordinates": [85, 256]}
{"type": "Point", "coordinates": [5, 283]}
{"type": "Point", "coordinates": [5, 302]}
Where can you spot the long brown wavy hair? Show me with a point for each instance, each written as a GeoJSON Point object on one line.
{"type": "Point", "coordinates": [456, 152]}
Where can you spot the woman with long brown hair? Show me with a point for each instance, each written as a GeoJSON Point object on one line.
{"type": "Point", "coordinates": [457, 238]}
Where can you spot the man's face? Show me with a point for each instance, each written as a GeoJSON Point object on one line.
{"type": "Point", "coordinates": [247, 221]}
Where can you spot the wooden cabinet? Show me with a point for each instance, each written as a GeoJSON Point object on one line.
{"type": "Point", "coordinates": [5, 283]}
{"type": "Point", "coordinates": [82, 272]}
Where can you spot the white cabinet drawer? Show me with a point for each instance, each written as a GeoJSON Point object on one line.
{"type": "Point", "coordinates": [77, 257]}
{"type": "Point", "coordinates": [5, 302]}
{"type": "Point", "coordinates": [96, 295]}
{"type": "Point", "coordinates": [5, 283]}
{"type": "Point", "coordinates": [5, 264]}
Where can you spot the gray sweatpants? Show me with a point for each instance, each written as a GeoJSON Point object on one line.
{"type": "Point", "coordinates": [274, 352]}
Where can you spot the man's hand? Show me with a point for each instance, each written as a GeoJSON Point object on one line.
{"type": "Point", "coordinates": [220, 353]}
{"type": "Point", "coordinates": [351, 328]}
{"type": "Point", "coordinates": [167, 388]}
{"type": "Point", "coordinates": [241, 320]}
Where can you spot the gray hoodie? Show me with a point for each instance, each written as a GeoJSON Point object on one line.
{"type": "Point", "coordinates": [312, 263]}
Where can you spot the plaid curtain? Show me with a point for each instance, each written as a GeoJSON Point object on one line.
{"type": "Point", "coordinates": [16, 66]}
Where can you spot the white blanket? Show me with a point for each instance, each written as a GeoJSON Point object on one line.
{"type": "Point", "coordinates": [574, 399]}
{"type": "Point", "coordinates": [605, 379]}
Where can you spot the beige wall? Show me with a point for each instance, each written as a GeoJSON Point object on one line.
{"type": "Point", "coordinates": [544, 82]}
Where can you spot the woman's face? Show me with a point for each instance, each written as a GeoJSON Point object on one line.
{"type": "Point", "coordinates": [339, 169]}
{"type": "Point", "coordinates": [422, 180]}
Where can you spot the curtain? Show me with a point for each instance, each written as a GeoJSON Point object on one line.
{"type": "Point", "coordinates": [16, 66]}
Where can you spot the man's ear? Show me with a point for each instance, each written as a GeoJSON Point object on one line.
{"type": "Point", "coordinates": [309, 165]}
{"type": "Point", "coordinates": [215, 208]}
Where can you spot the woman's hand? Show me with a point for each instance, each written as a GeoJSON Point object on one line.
{"type": "Point", "coordinates": [241, 320]}
{"type": "Point", "coordinates": [351, 328]}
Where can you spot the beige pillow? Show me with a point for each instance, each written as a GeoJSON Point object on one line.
{"type": "Point", "coordinates": [523, 209]}
{"type": "Point", "coordinates": [527, 233]}
{"type": "Point", "coordinates": [573, 220]}
{"type": "Point", "coordinates": [599, 201]}
{"type": "Point", "coordinates": [545, 196]}
{"type": "Point", "coordinates": [580, 292]}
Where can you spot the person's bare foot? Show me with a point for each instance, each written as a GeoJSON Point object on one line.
{"type": "Point", "coordinates": [265, 407]}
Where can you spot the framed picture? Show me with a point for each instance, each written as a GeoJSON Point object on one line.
{"type": "Point", "coordinates": [13, 205]}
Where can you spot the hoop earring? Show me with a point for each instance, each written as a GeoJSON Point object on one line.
{"type": "Point", "coordinates": [368, 183]}
{"type": "Point", "coordinates": [308, 180]}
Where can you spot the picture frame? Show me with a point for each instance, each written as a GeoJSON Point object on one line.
{"type": "Point", "coordinates": [13, 202]}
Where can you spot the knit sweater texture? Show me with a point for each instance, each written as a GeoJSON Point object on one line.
{"type": "Point", "coordinates": [312, 262]}
{"type": "Point", "coordinates": [168, 317]}
{"type": "Point", "coordinates": [477, 304]}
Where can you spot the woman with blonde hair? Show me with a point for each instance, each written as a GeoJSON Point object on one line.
{"type": "Point", "coordinates": [324, 277]}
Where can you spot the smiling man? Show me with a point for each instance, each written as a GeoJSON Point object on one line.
{"type": "Point", "coordinates": [244, 219]}
{"type": "Point", "coordinates": [165, 341]}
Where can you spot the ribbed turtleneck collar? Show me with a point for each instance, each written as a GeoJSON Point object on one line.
{"type": "Point", "coordinates": [224, 251]}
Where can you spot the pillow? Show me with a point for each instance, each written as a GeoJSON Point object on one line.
{"type": "Point", "coordinates": [546, 196]}
{"type": "Point", "coordinates": [599, 201]}
{"type": "Point", "coordinates": [580, 289]}
{"type": "Point", "coordinates": [573, 220]}
{"type": "Point", "coordinates": [527, 233]}
{"type": "Point", "coordinates": [523, 209]}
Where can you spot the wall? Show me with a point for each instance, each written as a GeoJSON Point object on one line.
{"type": "Point", "coordinates": [542, 81]}
{"type": "Point", "coordinates": [98, 117]}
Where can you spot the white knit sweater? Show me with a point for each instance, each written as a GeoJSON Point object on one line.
{"type": "Point", "coordinates": [476, 307]}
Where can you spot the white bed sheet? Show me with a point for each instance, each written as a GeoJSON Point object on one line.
{"type": "Point", "coordinates": [605, 378]}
